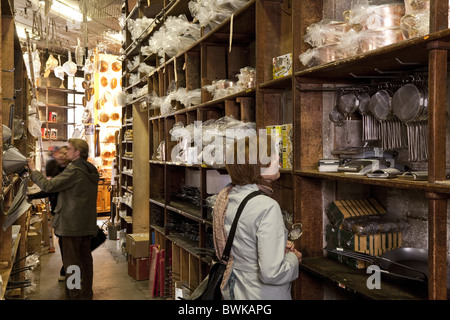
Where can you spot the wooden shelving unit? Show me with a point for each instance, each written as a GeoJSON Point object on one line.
{"type": "Point", "coordinates": [262, 30]}
{"type": "Point", "coordinates": [54, 100]}
{"type": "Point", "coordinates": [14, 90]}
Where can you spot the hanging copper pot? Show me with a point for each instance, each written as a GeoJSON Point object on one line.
{"type": "Point", "coordinates": [116, 66]}
{"type": "Point", "coordinates": [87, 77]}
{"type": "Point", "coordinates": [113, 83]}
{"type": "Point", "coordinates": [103, 117]}
{"type": "Point", "coordinates": [106, 154]}
{"type": "Point", "coordinates": [88, 95]}
{"type": "Point", "coordinates": [104, 81]}
{"type": "Point", "coordinates": [103, 66]}
{"type": "Point", "coordinates": [115, 116]}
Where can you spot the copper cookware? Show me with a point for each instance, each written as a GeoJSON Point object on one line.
{"type": "Point", "coordinates": [113, 83]}
{"type": "Point", "coordinates": [417, 5]}
{"type": "Point", "coordinates": [116, 66]}
{"type": "Point", "coordinates": [99, 103]}
{"type": "Point", "coordinates": [106, 154]}
{"type": "Point", "coordinates": [104, 81]}
{"type": "Point", "coordinates": [110, 139]}
{"type": "Point", "coordinates": [385, 16]}
{"type": "Point", "coordinates": [103, 66]}
{"type": "Point", "coordinates": [374, 39]}
{"type": "Point", "coordinates": [87, 94]}
{"type": "Point", "coordinates": [325, 54]}
{"type": "Point", "coordinates": [336, 30]}
{"type": "Point", "coordinates": [376, 16]}
{"type": "Point", "coordinates": [103, 117]}
{"type": "Point", "coordinates": [115, 116]}
{"type": "Point", "coordinates": [415, 25]}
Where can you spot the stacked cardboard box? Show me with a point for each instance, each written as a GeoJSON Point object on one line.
{"type": "Point", "coordinates": [283, 141]}
{"type": "Point", "coordinates": [339, 236]}
{"type": "Point", "coordinates": [137, 249]}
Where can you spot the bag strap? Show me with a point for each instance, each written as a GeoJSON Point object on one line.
{"type": "Point", "coordinates": [226, 251]}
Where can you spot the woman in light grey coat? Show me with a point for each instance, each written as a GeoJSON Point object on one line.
{"type": "Point", "coordinates": [259, 267]}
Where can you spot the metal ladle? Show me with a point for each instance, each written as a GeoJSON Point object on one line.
{"type": "Point", "coordinates": [295, 233]}
{"type": "Point", "coordinates": [348, 103]}
{"type": "Point", "coordinates": [336, 116]}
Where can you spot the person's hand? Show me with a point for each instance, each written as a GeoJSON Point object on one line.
{"type": "Point", "coordinates": [289, 246]}
{"type": "Point", "coordinates": [31, 164]}
{"type": "Point", "coordinates": [298, 254]}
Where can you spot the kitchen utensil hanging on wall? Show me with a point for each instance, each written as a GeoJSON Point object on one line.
{"type": "Point", "coordinates": [97, 140]}
{"type": "Point", "coordinates": [116, 66]}
{"type": "Point", "coordinates": [79, 53]}
{"type": "Point", "coordinates": [6, 133]}
{"type": "Point", "coordinates": [70, 68]}
{"type": "Point", "coordinates": [103, 66]}
{"type": "Point", "coordinates": [59, 72]}
{"type": "Point", "coordinates": [335, 115]}
{"type": "Point", "coordinates": [348, 103]}
{"type": "Point", "coordinates": [13, 161]}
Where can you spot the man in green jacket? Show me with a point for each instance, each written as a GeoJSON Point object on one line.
{"type": "Point", "coordinates": [75, 219]}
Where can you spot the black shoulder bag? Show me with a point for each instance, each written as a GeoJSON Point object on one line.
{"type": "Point", "coordinates": [212, 290]}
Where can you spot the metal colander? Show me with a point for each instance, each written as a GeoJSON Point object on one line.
{"type": "Point", "coordinates": [380, 105]}
{"type": "Point", "coordinates": [409, 103]}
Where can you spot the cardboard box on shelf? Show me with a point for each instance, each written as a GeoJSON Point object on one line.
{"type": "Point", "coordinates": [34, 242]}
{"type": "Point", "coordinates": [282, 134]}
{"type": "Point", "coordinates": [282, 66]}
{"type": "Point", "coordinates": [52, 116]}
{"type": "Point", "coordinates": [138, 245]}
{"type": "Point", "coordinates": [54, 134]}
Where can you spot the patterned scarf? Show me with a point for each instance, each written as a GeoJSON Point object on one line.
{"type": "Point", "coordinates": [219, 233]}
